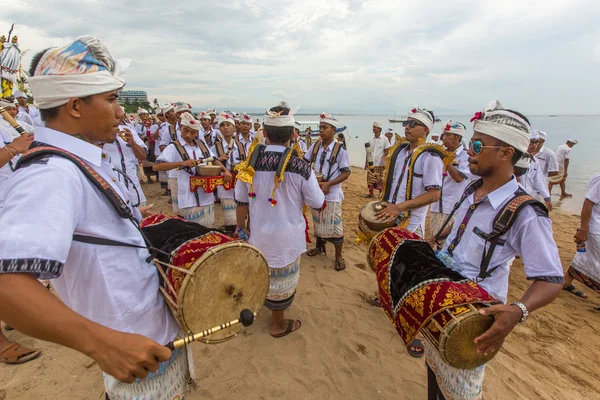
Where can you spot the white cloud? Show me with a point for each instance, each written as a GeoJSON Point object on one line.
{"type": "Point", "coordinates": [339, 55]}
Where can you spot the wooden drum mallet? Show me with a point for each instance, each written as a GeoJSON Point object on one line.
{"type": "Point", "coordinates": [8, 118]}
{"type": "Point", "coordinates": [246, 318]}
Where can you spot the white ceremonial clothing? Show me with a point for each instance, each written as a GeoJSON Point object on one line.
{"type": "Point", "coordinates": [46, 203]}
{"type": "Point", "coordinates": [588, 262]}
{"type": "Point", "coordinates": [379, 146]}
{"type": "Point", "coordinates": [452, 190]}
{"type": "Point", "coordinates": [7, 169]}
{"type": "Point", "coordinates": [534, 182]}
{"type": "Point", "coordinates": [330, 172]}
{"type": "Point", "coordinates": [563, 152]}
{"type": "Point", "coordinates": [547, 161]}
{"type": "Point", "coordinates": [530, 236]}
{"type": "Point", "coordinates": [278, 231]}
{"type": "Point", "coordinates": [185, 197]}
{"type": "Point", "coordinates": [427, 175]}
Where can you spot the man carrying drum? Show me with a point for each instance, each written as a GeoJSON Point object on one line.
{"type": "Point", "coordinates": [501, 137]}
{"type": "Point", "coordinates": [111, 309]}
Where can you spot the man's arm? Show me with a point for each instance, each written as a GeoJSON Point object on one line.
{"type": "Point", "coordinates": [33, 310]}
{"type": "Point", "coordinates": [566, 168]}
{"type": "Point", "coordinates": [586, 214]}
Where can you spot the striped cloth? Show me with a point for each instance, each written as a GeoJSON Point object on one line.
{"type": "Point", "coordinates": [282, 286]}
{"type": "Point", "coordinates": [173, 188]}
{"type": "Point", "coordinates": [203, 215]}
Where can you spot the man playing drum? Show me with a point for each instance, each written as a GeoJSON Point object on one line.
{"type": "Point", "coordinates": [111, 309]}
{"type": "Point", "coordinates": [276, 221]}
{"type": "Point", "coordinates": [501, 137]}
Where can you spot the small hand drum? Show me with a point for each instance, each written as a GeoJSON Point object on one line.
{"type": "Point", "coordinates": [369, 219]}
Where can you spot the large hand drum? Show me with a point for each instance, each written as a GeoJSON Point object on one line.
{"type": "Point", "coordinates": [419, 293]}
{"type": "Point", "coordinates": [209, 277]}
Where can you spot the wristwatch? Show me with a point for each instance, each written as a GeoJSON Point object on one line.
{"type": "Point", "coordinates": [524, 310]}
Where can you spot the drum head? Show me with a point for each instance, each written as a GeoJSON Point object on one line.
{"type": "Point", "coordinates": [368, 215]}
{"type": "Point", "coordinates": [458, 349]}
{"type": "Point", "coordinates": [226, 279]}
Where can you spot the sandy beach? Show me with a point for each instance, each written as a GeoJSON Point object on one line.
{"type": "Point", "coordinates": [347, 349]}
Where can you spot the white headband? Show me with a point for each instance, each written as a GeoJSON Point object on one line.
{"type": "Point", "coordinates": [329, 119]}
{"type": "Point", "coordinates": [510, 135]}
{"type": "Point", "coordinates": [422, 116]}
{"type": "Point", "coordinates": [454, 127]}
{"type": "Point", "coordinates": [188, 120]}
{"type": "Point", "coordinates": [224, 117]}
{"type": "Point", "coordinates": [4, 103]}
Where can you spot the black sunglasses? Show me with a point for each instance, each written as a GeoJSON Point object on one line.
{"type": "Point", "coordinates": [411, 124]}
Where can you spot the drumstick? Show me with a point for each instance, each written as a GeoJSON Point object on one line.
{"type": "Point", "coordinates": [246, 318]}
{"type": "Point", "coordinates": [11, 121]}
{"type": "Point", "coordinates": [198, 162]}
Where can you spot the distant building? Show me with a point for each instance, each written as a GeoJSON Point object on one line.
{"type": "Point", "coordinates": [132, 96]}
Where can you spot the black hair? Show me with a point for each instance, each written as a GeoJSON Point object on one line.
{"type": "Point", "coordinates": [279, 134]}
{"type": "Point", "coordinates": [431, 113]}
{"type": "Point", "coordinates": [341, 136]}
{"type": "Point", "coordinates": [49, 113]}
{"type": "Point", "coordinates": [516, 156]}
{"type": "Point", "coordinates": [519, 171]}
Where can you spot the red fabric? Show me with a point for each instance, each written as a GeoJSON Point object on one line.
{"type": "Point", "coordinates": [210, 183]}
{"type": "Point", "coordinates": [424, 301]}
{"type": "Point", "coordinates": [155, 219]}
{"type": "Point", "coordinates": [306, 229]}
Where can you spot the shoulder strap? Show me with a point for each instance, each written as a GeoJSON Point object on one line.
{"type": "Point", "coordinates": [258, 150]}
{"type": "Point", "coordinates": [503, 221]}
{"type": "Point", "coordinates": [182, 153]}
{"type": "Point", "coordinates": [202, 147]}
{"type": "Point", "coordinates": [208, 138]}
{"type": "Point", "coordinates": [390, 172]}
{"type": "Point", "coordinates": [39, 150]}
{"type": "Point", "coordinates": [173, 133]}
{"type": "Point", "coordinates": [241, 149]}
{"type": "Point", "coordinates": [315, 151]}
{"type": "Point", "coordinates": [334, 153]}
{"type": "Point", "coordinates": [469, 190]}
{"type": "Point", "coordinates": [219, 148]}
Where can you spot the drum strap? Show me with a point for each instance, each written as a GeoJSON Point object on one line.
{"type": "Point", "coordinates": [173, 133]}
{"type": "Point", "coordinates": [390, 173]}
{"type": "Point", "coordinates": [258, 150]}
{"type": "Point", "coordinates": [40, 150]}
{"type": "Point", "coordinates": [241, 150]}
{"type": "Point", "coordinates": [337, 146]}
{"type": "Point", "coordinates": [503, 221]}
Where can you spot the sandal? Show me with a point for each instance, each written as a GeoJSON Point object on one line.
{"type": "Point", "coordinates": [418, 351]}
{"type": "Point", "coordinates": [340, 265]}
{"type": "Point", "coordinates": [14, 353]}
{"type": "Point", "coordinates": [289, 329]}
{"type": "Point", "coordinates": [578, 293]}
{"type": "Point", "coordinates": [369, 196]}
{"type": "Point", "coordinates": [8, 328]}
{"type": "Point", "coordinates": [316, 251]}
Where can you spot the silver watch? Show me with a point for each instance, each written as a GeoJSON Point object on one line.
{"type": "Point", "coordinates": [524, 310]}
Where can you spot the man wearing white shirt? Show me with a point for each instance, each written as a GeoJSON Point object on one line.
{"type": "Point", "coordinates": [32, 111]}
{"type": "Point", "coordinates": [208, 134]}
{"type": "Point", "coordinates": [276, 221]}
{"type": "Point", "coordinates": [226, 150]}
{"type": "Point", "coordinates": [545, 157]}
{"type": "Point", "coordinates": [500, 139]}
{"type": "Point", "coordinates": [12, 111]}
{"type": "Point", "coordinates": [378, 148]}
{"type": "Point", "coordinates": [125, 153]}
{"type": "Point", "coordinates": [111, 309]}
{"type": "Point", "coordinates": [168, 133]}
{"type": "Point", "coordinates": [334, 169]}
{"type": "Point", "coordinates": [456, 176]}
{"type": "Point", "coordinates": [296, 138]}
{"type": "Point", "coordinates": [563, 154]}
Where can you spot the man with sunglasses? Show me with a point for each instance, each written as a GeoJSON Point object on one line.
{"type": "Point", "coordinates": [501, 137]}
{"type": "Point", "coordinates": [456, 177]}
{"type": "Point", "coordinates": [426, 173]}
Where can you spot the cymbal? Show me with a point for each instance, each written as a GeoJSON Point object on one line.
{"type": "Point", "coordinates": [368, 215]}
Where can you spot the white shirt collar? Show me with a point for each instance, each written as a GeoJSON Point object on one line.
{"type": "Point", "coordinates": [460, 150]}
{"type": "Point", "coordinates": [498, 196]}
{"type": "Point", "coordinates": [275, 147]}
{"type": "Point", "coordinates": [82, 149]}
{"type": "Point", "coordinates": [184, 144]}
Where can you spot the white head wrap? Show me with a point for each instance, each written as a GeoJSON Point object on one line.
{"type": "Point", "coordinates": [225, 117]}
{"type": "Point", "coordinates": [534, 134]}
{"type": "Point", "coordinates": [18, 94]}
{"type": "Point", "coordinates": [188, 120]}
{"type": "Point", "coordinates": [181, 106]}
{"type": "Point", "coordinates": [4, 103]}
{"type": "Point", "coordinates": [574, 141]}
{"type": "Point", "coordinates": [204, 115]}
{"type": "Point", "coordinates": [422, 115]}
{"type": "Point", "coordinates": [542, 135]}
{"type": "Point", "coordinates": [376, 125]}
{"type": "Point", "coordinates": [82, 68]}
{"type": "Point", "coordinates": [274, 119]}
{"type": "Point", "coordinates": [141, 111]}
{"type": "Point", "coordinates": [503, 125]}
{"type": "Point", "coordinates": [524, 161]}
{"type": "Point", "coordinates": [454, 127]}
{"type": "Point", "coordinates": [246, 118]}
{"type": "Point", "coordinates": [212, 112]}
{"type": "Point", "coordinates": [329, 119]}
{"type": "Point", "coordinates": [166, 108]}
{"type": "Point", "coordinates": [390, 131]}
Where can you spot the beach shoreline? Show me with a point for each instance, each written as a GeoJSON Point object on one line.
{"type": "Point", "coordinates": [347, 349]}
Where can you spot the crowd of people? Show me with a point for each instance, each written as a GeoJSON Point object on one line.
{"type": "Point", "coordinates": [81, 148]}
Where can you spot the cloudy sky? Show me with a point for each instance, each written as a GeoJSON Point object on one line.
{"type": "Point", "coordinates": [377, 56]}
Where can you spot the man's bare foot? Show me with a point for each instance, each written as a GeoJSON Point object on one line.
{"type": "Point", "coordinates": [285, 327]}
{"type": "Point", "coordinates": [565, 195]}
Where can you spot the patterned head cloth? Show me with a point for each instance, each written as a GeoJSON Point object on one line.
{"type": "Point", "coordinates": [376, 125]}
{"type": "Point", "coordinates": [422, 115]}
{"type": "Point", "coordinates": [225, 117]}
{"type": "Point", "coordinates": [188, 120]}
{"type": "Point", "coordinates": [524, 161]}
{"type": "Point", "coordinates": [204, 115]}
{"type": "Point", "coordinates": [82, 68]}
{"type": "Point", "coordinates": [329, 119]}
{"type": "Point", "coordinates": [141, 111]}
{"type": "Point", "coordinates": [6, 103]}
{"type": "Point", "coordinates": [504, 125]}
{"type": "Point", "coordinates": [181, 106]}
{"type": "Point", "coordinates": [454, 127]}
{"type": "Point", "coordinates": [246, 118]}
{"type": "Point", "coordinates": [534, 134]}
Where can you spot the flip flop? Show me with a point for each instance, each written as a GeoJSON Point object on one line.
{"type": "Point", "coordinates": [375, 302]}
{"type": "Point", "coordinates": [571, 289]}
{"type": "Point", "coordinates": [417, 344]}
{"type": "Point", "coordinates": [8, 328]}
{"type": "Point", "coordinates": [340, 265]}
{"type": "Point", "coordinates": [289, 329]}
{"type": "Point", "coordinates": [14, 353]}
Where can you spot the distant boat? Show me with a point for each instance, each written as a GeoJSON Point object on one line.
{"type": "Point", "coordinates": [397, 120]}
{"type": "Point", "coordinates": [438, 120]}
{"type": "Point", "coordinates": [553, 116]}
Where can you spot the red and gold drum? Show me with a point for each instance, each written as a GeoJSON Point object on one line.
{"type": "Point", "coordinates": [420, 294]}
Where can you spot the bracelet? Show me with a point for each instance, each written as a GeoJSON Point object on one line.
{"type": "Point", "coordinates": [9, 152]}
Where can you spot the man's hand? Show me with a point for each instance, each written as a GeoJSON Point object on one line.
{"type": "Point", "coordinates": [22, 143]}
{"type": "Point", "coordinates": [505, 320]}
{"type": "Point", "coordinates": [187, 163]}
{"type": "Point", "coordinates": [227, 177]}
{"type": "Point", "coordinates": [390, 213]}
{"type": "Point", "coordinates": [127, 357]}
{"type": "Point", "coordinates": [581, 236]}
{"type": "Point", "coordinates": [325, 186]}
{"type": "Point", "coordinates": [145, 210]}
{"type": "Point", "coordinates": [433, 243]}
{"type": "Point", "coordinates": [549, 205]}
{"type": "Point", "coordinates": [128, 136]}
